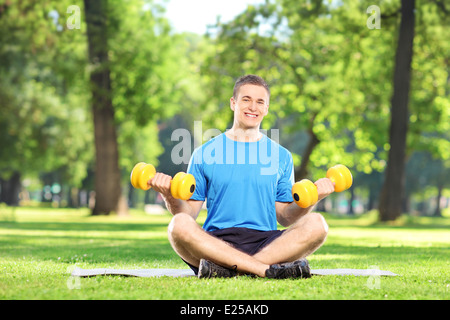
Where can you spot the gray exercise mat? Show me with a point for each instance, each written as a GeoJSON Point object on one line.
{"type": "Point", "coordinates": [146, 273]}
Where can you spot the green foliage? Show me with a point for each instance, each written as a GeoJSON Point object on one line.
{"type": "Point", "coordinates": [142, 69]}
{"type": "Point", "coordinates": [41, 120]}
{"type": "Point", "coordinates": [330, 76]}
{"type": "Point", "coordinates": [46, 119]}
{"type": "Point", "coordinates": [430, 99]}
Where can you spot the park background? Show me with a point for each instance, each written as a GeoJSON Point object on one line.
{"type": "Point", "coordinates": [346, 88]}
{"type": "Point", "coordinates": [88, 89]}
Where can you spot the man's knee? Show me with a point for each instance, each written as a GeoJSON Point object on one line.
{"type": "Point", "coordinates": [180, 227]}
{"type": "Point", "coordinates": [318, 225]}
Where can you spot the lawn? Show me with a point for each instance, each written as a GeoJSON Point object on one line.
{"type": "Point", "coordinates": [40, 247]}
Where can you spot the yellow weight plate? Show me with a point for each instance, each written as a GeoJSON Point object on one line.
{"type": "Point", "coordinates": [186, 187]}
{"type": "Point", "coordinates": [134, 176]}
{"type": "Point", "coordinates": [147, 173]}
{"type": "Point", "coordinates": [341, 176]}
{"type": "Point", "coordinates": [175, 184]}
{"type": "Point", "coordinates": [305, 193]}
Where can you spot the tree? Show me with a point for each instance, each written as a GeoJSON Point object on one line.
{"type": "Point", "coordinates": [425, 173]}
{"type": "Point", "coordinates": [46, 123]}
{"type": "Point", "coordinates": [107, 173]}
{"type": "Point", "coordinates": [393, 188]}
{"type": "Point", "coordinates": [154, 78]}
{"type": "Point", "coordinates": [42, 123]}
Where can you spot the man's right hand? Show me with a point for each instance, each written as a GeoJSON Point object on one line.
{"type": "Point", "coordinates": [161, 183]}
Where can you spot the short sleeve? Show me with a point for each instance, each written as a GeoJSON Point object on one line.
{"type": "Point", "coordinates": [195, 168]}
{"type": "Point", "coordinates": [286, 181]}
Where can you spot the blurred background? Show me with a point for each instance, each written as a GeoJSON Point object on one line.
{"type": "Point", "coordinates": [90, 88]}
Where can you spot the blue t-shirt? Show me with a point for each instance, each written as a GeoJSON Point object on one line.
{"type": "Point", "coordinates": [241, 182]}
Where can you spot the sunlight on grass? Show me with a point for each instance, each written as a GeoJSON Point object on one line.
{"type": "Point", "coordinates": [40, 248]}
{"type": "Point", "coordinates": [391, 237]}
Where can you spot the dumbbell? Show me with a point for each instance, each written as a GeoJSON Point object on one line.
{"type": "Point", "coordinates": [182, 185]}
{"type": "Point", "coordinates": [305, 193]}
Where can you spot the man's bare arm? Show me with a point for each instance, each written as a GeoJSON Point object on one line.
{"type": "Point", "coordinates": [191, 207]}
{"type": "Point", "coordinates": [161, 183]}
{"type": "Point", "coordinates": [290, 212]}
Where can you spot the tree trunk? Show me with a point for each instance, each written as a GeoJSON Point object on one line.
{"type": "Point", "coordinates": [107, 174]}
{"type": "Point", "coordinates": [9, 189]}
{"type": "Point", "coordinates": [372, 199]}
{"type": "Point", "coordinates": [391, 194]}
{"type": "Point", "coordinates": [351, 209]}
{"type": "Point", "coordinates": [437, 211]}
{"type": "Point", "coordinates": [302, 171]}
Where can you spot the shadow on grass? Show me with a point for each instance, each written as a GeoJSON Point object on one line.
{"type": "Point", "coordinates": [68, 249]}
{"type": "Point", "coordinates": [112, 252]}
{"type": "Point", "coordinates": [86, 242]}
{"type": "Point", "coordinates": [404, 222]}
{"type": "Point", "coordinates": [343, 256]}
{"type": "Point", "coordinates": [76, 226]}
{"type": "Point", "coordinates": [147, 243]}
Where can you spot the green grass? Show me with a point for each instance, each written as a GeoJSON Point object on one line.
{"type": "Point", "coordinates": [40, 247]}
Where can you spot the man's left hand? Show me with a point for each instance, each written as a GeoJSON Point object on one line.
{"type": "Point", "coordinates": [325, 187]}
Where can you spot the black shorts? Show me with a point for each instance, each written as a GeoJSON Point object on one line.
{"type": "Point", "coordinates": [247, 240]}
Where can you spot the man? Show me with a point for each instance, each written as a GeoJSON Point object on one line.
{"type": "Point", "coordinates": [245, 199]}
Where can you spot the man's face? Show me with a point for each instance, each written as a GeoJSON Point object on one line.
{"type": "Point", "coordinates": [250, 106]}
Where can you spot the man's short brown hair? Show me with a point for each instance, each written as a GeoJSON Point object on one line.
{"type": "Point", "coordinates": [249, 79]}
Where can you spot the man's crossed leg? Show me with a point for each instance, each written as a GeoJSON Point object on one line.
{"type": "Point", "coordinates": [193, 244]}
